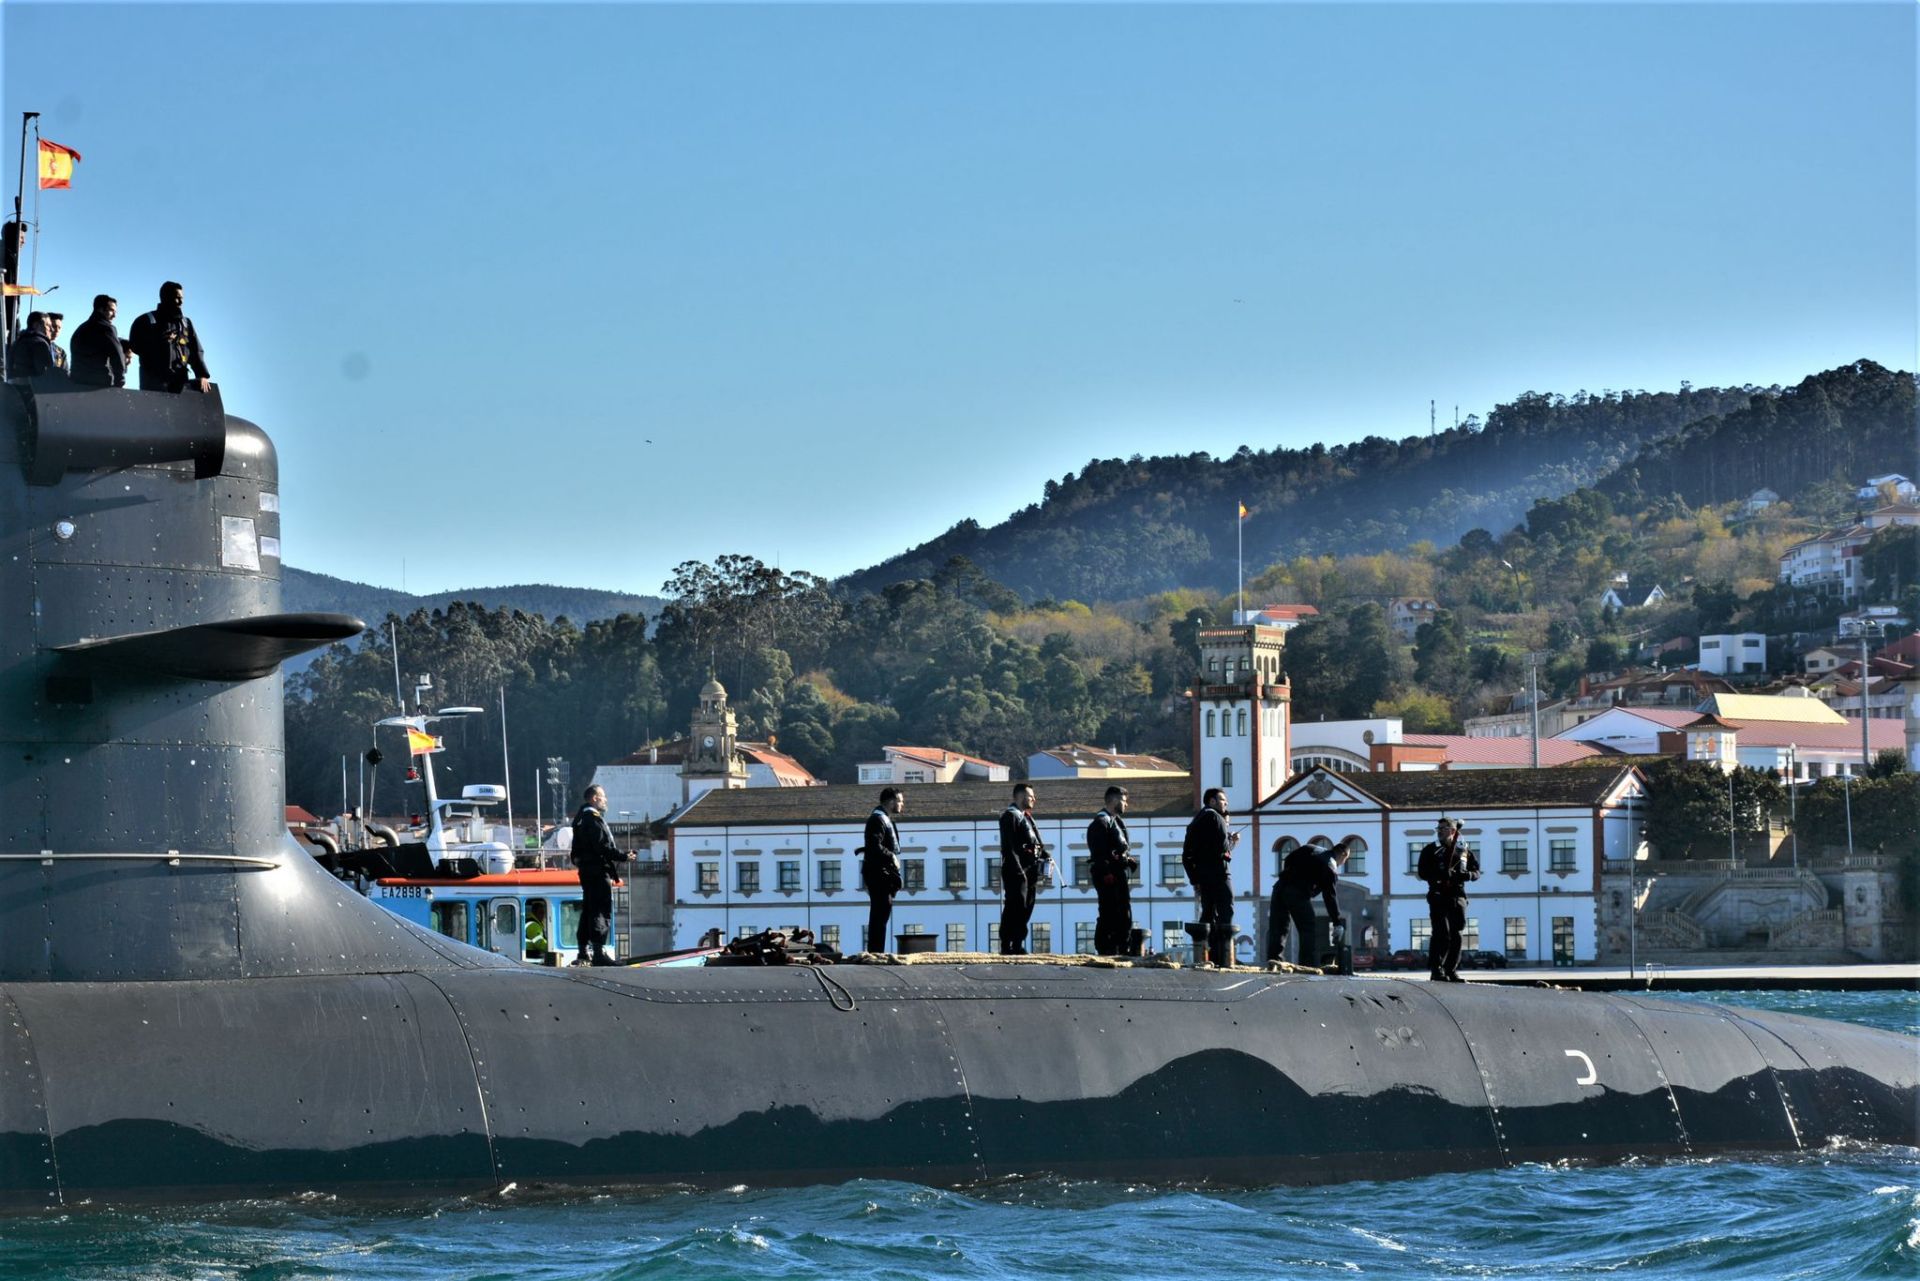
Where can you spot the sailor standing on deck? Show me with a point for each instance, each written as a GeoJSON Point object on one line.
{"type": "Point", "coordinates": [1447, 865]}
{"type": "Point", "coordinates": [1022, 859]}
{"type": "Point", "coordinates": [99, 355]}
{"type": "Point", "coordinates": [880, 865]}
{"type": "Point", "coordinates": [1307, 871]}
{"type": "Point", "coordinates": [596, 855]}
{"type": "Point", "coordinates": [1207, 854]}
{"type": "Point", "coordinates": [1111, 867]}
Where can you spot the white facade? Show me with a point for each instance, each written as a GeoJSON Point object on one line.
{"type": "Point", "coordinates": [1342, 746]}
{"type": "Point", "coordinates": [905, 765]}
{"type": "Point", "coordinates": [1830, 560]}
{"type": "Point", "coordinates": [1540, 863]}
{"type": "Point", "coordinates": [1733, 654]}
{"type": "Point", "coordinates": [741, 878]}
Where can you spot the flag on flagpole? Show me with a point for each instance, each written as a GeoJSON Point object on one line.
{"type": "Point", "coordinates": [56, 166]}
{"type": "Point", "coordinates": [1243, 511]}
{"type": "Point", "coordinates": [419, 744]}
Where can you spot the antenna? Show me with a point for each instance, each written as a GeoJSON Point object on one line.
{"type": "Point", "coordinates": [1429, 419]}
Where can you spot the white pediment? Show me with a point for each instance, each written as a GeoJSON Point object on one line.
{"type": "Point", "coordinates": [1319, 788]}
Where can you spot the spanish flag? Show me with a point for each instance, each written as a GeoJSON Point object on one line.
{"type": "Point", "coordinates": [419, 744]}
{"type": "Point", "coordinates": [1243, 511]}
{"type": "Point", "coordinates": [56, 165]}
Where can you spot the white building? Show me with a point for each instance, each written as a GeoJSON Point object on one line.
{"type": "Point", "coordinates": [1381, 744]}
{"type": "Point", "coordinates": [1869, 621]}
{"type": "Point", "coordinates": [1733, 654]}
{"type": "Point", "coordinates": [1830, 561]}
{"type": "Point", "coordinates": [1785, 733]}
{"type": "Point", "coordinates": [1284, 617]}
{"type": "Point", "coordinates": [929, 765]}
{"type": "Point", "coordinates": [745, 861]}
{"type": "Point", "coordinates": [1077, 760]}
{"type": "Point", "coordinates": [1541, 836]}
{"type": "Point", "coordinates": [1901, 489]}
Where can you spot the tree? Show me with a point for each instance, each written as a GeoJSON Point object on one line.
{"type": "Point", "coordinates": [1690, 813]}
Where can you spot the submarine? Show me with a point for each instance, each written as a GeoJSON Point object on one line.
{"type": "Point", "coordinates": [192, 1009]}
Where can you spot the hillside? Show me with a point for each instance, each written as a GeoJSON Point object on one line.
{"type": "Point", "coordinates": [1124, 529]}
{"type": "Point", "coordinates": [304, 591]}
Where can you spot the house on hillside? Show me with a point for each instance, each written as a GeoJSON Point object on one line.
{"type": "Point", "coordinates": [1407, 614]}
{"type": "Point", "coordinates": [1737, 654]}
{"type": "Point", "coordinates": [1285, 617]}
{"type": "Point", "coordinates": [1892, 484]}
{"type": "Point", "coordinates": [1077, 760]}
{"type": "Point", "coordinates": [930, 765]}
{"type": "Point", "coordinates": [1622, 595]}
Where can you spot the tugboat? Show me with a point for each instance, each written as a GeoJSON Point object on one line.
{"type": "Point", "coordinates": [191, 1008]}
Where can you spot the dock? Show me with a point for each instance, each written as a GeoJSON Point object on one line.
{"type": "Point", "coordinates": [1706, 978]}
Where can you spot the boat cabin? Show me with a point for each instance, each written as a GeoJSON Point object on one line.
{"type": "Point", "coordinates": [491, 911]}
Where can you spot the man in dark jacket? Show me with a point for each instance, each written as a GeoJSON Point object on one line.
{"type": "Point", "coordinates": [1207, 854]}
{"type": "Point", "coordinates": [167, 345]}
{"type": "Point", "coordinates": [1111, 866]}
{"type": "Point", "coordinates": [596, 855]}
{"type": "Point", "coordinates": [99, 357]}
{"type": "Point", "coordinates": [1447, 865]}
{"type": "Point", "coordinates": [32, 353]}
{"type": "Point", "coordinates": [880, 864]}
{"type": "Point", "coordinates": [1308, 871]}
{"type": "Point", "coordinates": [1022, 859]}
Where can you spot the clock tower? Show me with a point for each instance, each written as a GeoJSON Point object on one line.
{"type": "Point", "coordinates": [1241, 709]}
{"type": "Point", "coordinates": [713, 760]}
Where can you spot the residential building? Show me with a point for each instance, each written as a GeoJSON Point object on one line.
{"type": "Point", "coordinates": [1870, 621]}
{"type": "Point", "coordinates": [1818, 662]}
{"type": "Point", "coordinates": [1407, 614]}
{"type": "Point", "coordinates": [1828, 562]}
{"type": "Point", "coordinates": [1381, 744]}
{"type": "Point", "coordinates": [1077, 760]}
{"type": "Point", "coordinates": [1622, 595]}
{"type": "Point", "coordinates": [1792, 732]}
{"type": "Point", "coordinates": [1737, 654]}
{"type": "Point", "coordinates": [929, 765]}
{"type": "Point", "coordinates": [1518, 720]}
{"type": "Point", "coordinates": [1541, 835]}
{"type": "Point", "coordinates": [1892, 485]}
{"type": "Point", "coordinates": [1759, 500]}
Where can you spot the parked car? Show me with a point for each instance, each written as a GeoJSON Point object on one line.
{"type": "Point", "coordinates": [1483, 960]}
{"type": "Point", "coordinates": [1367, 959]}
{"type": "Point", "coordinates": [1407, 959]}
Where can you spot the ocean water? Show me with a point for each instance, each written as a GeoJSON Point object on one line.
{"type": "Point", "coordinates": [1845, 1212]}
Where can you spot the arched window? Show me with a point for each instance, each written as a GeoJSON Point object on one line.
{"type": "Point", "coordinates": [1356, 856]}
{"type": "Point", "coordinates": [1226, 773]}
{"type": "Point", "coordinates": [1209, 722]}
{"type": "Point", "coordinates": [1242, 719]}
{"type": "Point", "coordinates": [1281, 848]}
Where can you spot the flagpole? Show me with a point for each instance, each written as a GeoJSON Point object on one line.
{"type": "Point", "coordinates": [1240, 558]}
{"type": "Point", "coordinates": [13, 250]}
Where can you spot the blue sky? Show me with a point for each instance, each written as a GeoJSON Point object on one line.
{"type": "Point", "coordinates": [861, 272]}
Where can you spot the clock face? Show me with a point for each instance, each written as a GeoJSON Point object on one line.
{"type": "Point", "coordinates": [707, 741]}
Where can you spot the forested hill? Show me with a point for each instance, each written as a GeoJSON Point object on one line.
{"type": "Point", "coordinates": [1124, 529]}
{"type": "Point", "coordinates": [304, 591]}
{"type": "Point", "coordinates": [1845, 424]}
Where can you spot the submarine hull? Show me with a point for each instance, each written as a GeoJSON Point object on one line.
{"type": "Point", "coordinates": [474, 1078]}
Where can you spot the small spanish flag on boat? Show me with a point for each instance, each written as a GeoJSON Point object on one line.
{"type": "Point", "coordinates": [1243, 511]}
{"type": "Point", "coordinates": [419, 743]}
{"type": "Point", "coordinates": [56, 165]}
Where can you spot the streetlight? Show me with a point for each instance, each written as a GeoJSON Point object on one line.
{"type": "Point", "coordinates": [1846, 791]}
{"type": "Point", "coordinates": [1793, 795]}
{"type": "Point", "coordinates": [1733, 851]}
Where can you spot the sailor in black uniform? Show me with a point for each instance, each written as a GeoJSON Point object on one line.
{"type": "Point", "coordinates": [596, 855]}
{"type": "Point", "coordinates": [1447, 866]}
{"type": "Point", "coordinates": [1110, 866]}
{"type": "Point", "coordinates": [880, 865]}
{"type": "Point", "coordinates": [1022, 859]}
{"type": "Point", "coordinates": [1308, 871]}
{"type": "Point", "coordinates": [1207, 854]}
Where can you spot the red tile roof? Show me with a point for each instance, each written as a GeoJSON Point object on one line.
{"type": "Point", "coordinates": [1463, 750]}
{"type": "Point", "coordinates": [1882, 732]}
{"type": "Point", "coordinates": [940, 756]}
{"type": "Point", "coordinates": [298, 816]}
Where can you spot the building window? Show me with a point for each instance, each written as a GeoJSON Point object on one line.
{"type": "Point", "coordinates": [707, 877]}
{"type": "Point", "coordinates": [830, 936]}
{"type": "Point", "coordinates": [1560, 854]}
{"type": "Point", "coordinates": [1513, 857]}
{"type": "Point", "coordinates": [914, 928]}
{"type": "Point", "coordinates": [1133, 876]}
{"type": "Point", "coordinates": [1240, 722]}
{"type": "Point", "coordinates": [1209, 722]}
{"type": "Point", "coordinates": [1040, 937]}
{"type": "Point", "coordinates": [1516, 938]}
{"type": "Point", "coordinates": [789, 875]}
{"type": "Point", "coordinates": [745, 932]}
{"type": "Point", "coordinates": [1413, 856]}
{"type": "Point", "coordinates": [1273, 771]}
{"type": "Point", "coordinates": [1174, 936]}
{"type": "Point", "coordinates": [956, 938]}
{"type": "Point", "coordinates": [1422, 936]}
{"type": "Point", "coordinates": [993, 937]}
{"type": "Point", "coordinates": [992, 878]}
{"type": "Point", "coordinates": [452, 920]}
{"type": "Point", "coordinates": [1083, 937]}
{"type": "Point", "coordinates": [1470, 937]}
{"type": "Point", "coordinates": [956, 869]}
{"type": "Point", "coordinates": [1173, 873]}
{"type": "Point", "coordinates": [830, 876]}
{"type": "Point", "coordinates": [1356, 856]}
{"type": "Point", "coordinates": [1082, 872]}
{"type": "Point", "coordinates": [913, 873]}
{"type": "Point", "coordinates": [1563, 938]}
{"type": "Point", "coordinates": [1226, 773]}
{"type": "Point", "coordinates": [746, 878]}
